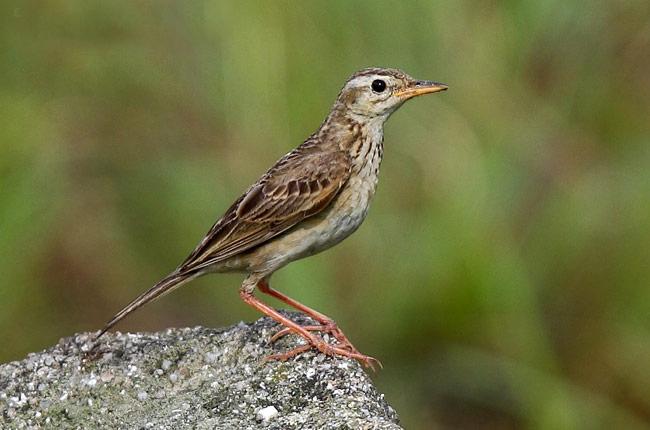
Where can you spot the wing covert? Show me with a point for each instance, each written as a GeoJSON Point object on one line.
{"type": "Point", "coordinates": [298, 186]}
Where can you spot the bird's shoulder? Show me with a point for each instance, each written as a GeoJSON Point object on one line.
{"type": "Point", "coordinates": [299, 181]}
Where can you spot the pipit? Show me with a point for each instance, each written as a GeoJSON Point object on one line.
{"type": "Point", "coordinates": [308, 201]}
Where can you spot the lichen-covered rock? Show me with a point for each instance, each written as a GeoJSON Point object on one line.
{"type": "Point", "coordinates": [188, 378]}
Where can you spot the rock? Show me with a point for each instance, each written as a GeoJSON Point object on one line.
{"type": "Point", "coordinates": [189, 378]}
{"type": "Point", "coordinates": [266, 414]}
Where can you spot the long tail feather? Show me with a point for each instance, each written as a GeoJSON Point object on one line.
{"type": "Point", "coordinates": [170, 283]}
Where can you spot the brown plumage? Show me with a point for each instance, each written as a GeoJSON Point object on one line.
{"type": "Point", "coordinates": [309, 200]}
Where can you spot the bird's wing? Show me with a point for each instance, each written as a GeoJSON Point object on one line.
{"type": "Point", "coordinates": [298, 186]}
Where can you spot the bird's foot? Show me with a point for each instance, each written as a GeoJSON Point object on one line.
{"type": "Point", "coordinates": [327, 326]}
{"type": "Point", "coordinates": [327, 349]}
{"type": "Point", "coordinates": [345, 348]}
{"type": "Point", "coordinates": [337, 334]}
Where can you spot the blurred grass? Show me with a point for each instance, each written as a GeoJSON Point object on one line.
{"type": "Point", "coordinates": [503, 271]}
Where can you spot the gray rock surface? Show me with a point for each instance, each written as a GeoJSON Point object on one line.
{"type": "Point", "coordinates": [189, 378]}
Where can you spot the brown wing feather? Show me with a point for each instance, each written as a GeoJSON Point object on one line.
{"type": "Point", "coordinates": [298, 186]}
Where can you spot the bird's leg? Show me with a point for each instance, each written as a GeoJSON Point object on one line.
{"type": "Point", "coordinates": [327, 324]}
{"type": "Point", "coordinates": [312, 340]}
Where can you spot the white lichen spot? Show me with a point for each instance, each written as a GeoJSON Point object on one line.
{"type": "Point", "coordinates": [266, 414]}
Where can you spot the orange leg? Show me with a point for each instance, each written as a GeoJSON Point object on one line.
{"type": "Point", "coordinates": [313, 341]}
{"type": "Point", "coordinates": [327, 325]}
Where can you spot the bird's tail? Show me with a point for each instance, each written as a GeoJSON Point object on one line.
{"type": "Point", "coordinates": [170, 283]}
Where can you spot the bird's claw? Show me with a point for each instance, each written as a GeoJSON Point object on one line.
{"type": "Point", "coordinates": [345, 349]}
{"type": "Point", "coordinates": [330, 350]}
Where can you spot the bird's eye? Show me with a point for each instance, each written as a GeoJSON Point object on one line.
{"type": "Point", "coordinates": [378, 86]}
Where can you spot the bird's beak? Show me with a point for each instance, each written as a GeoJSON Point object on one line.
{"type": "Point", "coordinates": [419, 88]}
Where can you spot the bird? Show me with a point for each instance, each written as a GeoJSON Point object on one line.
{"type": "Point", "coordinates": [308, 201]}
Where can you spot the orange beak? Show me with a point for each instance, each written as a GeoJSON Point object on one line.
{"type": "Point", "coordinates": [420, 87]}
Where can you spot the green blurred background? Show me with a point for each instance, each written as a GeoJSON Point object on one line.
{"type": "Point", "coordinates": [504, 270]}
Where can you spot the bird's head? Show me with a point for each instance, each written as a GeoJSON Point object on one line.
{"type": "Point", "coordinates": [379, 92]}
